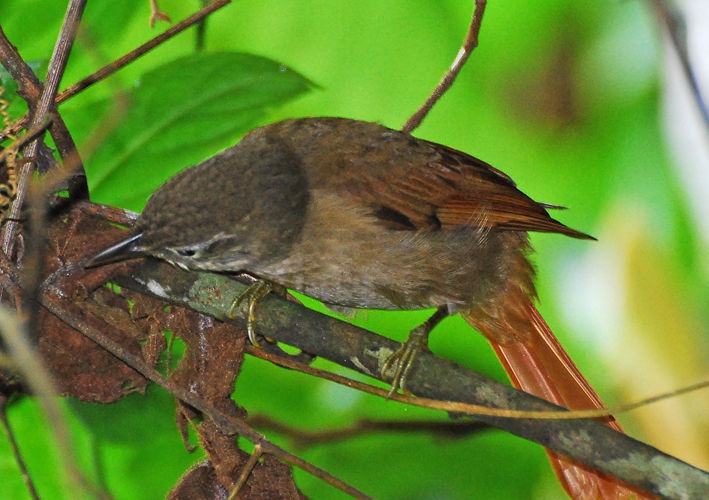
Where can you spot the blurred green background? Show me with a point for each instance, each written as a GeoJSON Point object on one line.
{"type": "Point", "coordinates": [567, 97]}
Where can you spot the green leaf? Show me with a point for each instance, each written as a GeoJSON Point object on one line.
{"type": "Point", "coordinates": [180, 113]}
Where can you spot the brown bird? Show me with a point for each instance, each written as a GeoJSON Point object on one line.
{"type": "Point", "coordinates": [358, 215]}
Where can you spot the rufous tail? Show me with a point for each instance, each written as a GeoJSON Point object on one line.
{"type": "Point", "coordinates": [540, 366]}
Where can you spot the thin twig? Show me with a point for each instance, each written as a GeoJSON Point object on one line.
{"type": "Point", "coordinates": [156, 14]}
{"type": "Point", "coordinates": [134, 54]}
{"type": "Point", "coordinates": [246, 471]}
{"type": "Point", "coordinates": [16, 450]}
{"type": "Point", "coordinates": [30, 135]}
{"type": "Point", "coordinates": [675, 25]}
{"type": "Point", "coordinates": [303, 439]}
{"type": "Point", "coordinates": [471, 41]}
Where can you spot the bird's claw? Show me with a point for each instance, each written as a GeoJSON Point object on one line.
{"type": "Point", "coordinates": [251, 296]}
{"type": "Point", "coordinates": [399, 364]}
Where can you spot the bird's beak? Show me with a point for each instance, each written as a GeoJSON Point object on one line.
{"type": "Point", "coordinates": [123, 250]}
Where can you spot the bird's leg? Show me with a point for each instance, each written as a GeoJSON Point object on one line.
{"type": "Point", "coordinates": [402, 360]}
{"type": "Point", "coordinates": [252, 295]}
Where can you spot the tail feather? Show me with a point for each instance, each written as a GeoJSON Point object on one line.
{"type": "Point", "coordinates": [539, 365]}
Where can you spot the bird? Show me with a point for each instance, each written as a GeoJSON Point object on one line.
{"type": "Point", "coordinates": [358, 215]}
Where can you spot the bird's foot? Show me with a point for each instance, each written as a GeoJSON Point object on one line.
{"type": "Point", "coordinates": [398, 366]}
{"type": "Point", "coordinates": [251, 296]}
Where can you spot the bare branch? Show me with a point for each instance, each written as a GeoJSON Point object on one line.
{"type": "Point", "coordinates": [471, 41]}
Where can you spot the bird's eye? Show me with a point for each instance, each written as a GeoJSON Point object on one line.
{"type": "Point", "coordinates": [186, 252]}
